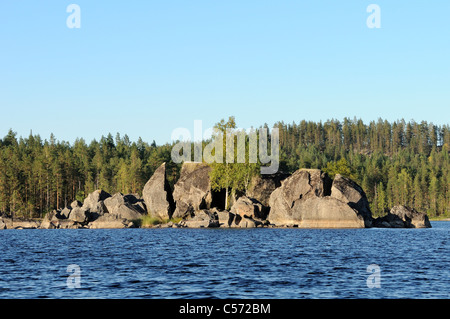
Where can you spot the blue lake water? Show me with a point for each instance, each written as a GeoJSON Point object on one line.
{"type": "Point", "coordinates": [226, 263]}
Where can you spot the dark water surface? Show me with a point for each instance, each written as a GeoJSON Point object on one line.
{"type": "Point", "coordinates": [226, 263]}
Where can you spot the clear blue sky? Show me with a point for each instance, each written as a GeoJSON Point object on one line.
{"type": "Point", "coordinates": [144, 68]}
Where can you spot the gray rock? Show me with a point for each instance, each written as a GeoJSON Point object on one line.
{"type": "Point", "coordinates": [94, 203]}
{"type": "Point", "coordinates": [303, 184]}
{"type": "Point", "coordinates": [19, 223]}
{"type": "Point", "coordinates": [249, 207]}
{"type": "Point", "coordinates": [108, 221]}
{"type": "Point", "coordinates": [303, 200]}
{"type": "Point", "coordinates": [202, 218]}
{"type": "Point", "coordinates": [167, 225]}
{"type": "Point", "coordinates": [56, 215]}
{"type": "Point", "coordinates": [76, 204]}
{"type": "Point", "coordinates": [225, 218]}
{"type": "Point", "coordinates": [262, 186]}
{"type": "Point", "coordinates": [411, 217]}
{"type": "Point", "coordinates": [158, 195]}
{"type": "Point", "coordinates": [326, 212]}
{"type": "Point", "coordinates": [247, 223]}
{"type": "Point", "coordinates": [67, 224]}
{"type": "Point", "coordinates": [53, 215]}
{"type": "Point", "coordinates": [2, 224]}
{"type": "Point", "coordinates": [193, 189]}
{"type": "Point", "coordinates": [385, 224]}
{"type": "Point", "coordinates": [7, 221]}
{"type": "Point", "coordinates": [118, 206]}
{"type": "Point", "coordinates": [403, 217]}
{"type": "Point", "coordinates": [79, 215]}
{"type": "Point", "coordinates": [347, 191]}
{"type": "Point", "coordinates": [136, 202]}
{"type": "Point", "coordinates": [64, 214]}
{"type": "Point", "coordinates": [140, 206]}
{"type": "Point", "coordinates": [47, 224]}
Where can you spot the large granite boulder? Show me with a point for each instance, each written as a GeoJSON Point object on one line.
{"type": "Point", "coordinates": [51, 219]}
{"type": "Point", "coordinates": [158, 195]}
{"type": "Point", "coordinates": [262, 186]}
{"type": "Point", "coordinates": [137, 202]}
{"type": "Point", "coordinates": [94, 203]}
{"type": "Point", "coordinates": [64, 213]}
{"type": "Point", "coordinates": [119, 206]}
{"type": "Point", "coordinates": [19, 223]}
{"type": "Point", "coordinates": [246, 222]}
{"type": "Point", "coordinates": [225, 217]}
{"type": "Point", "coordinates": [411, 217]}
{"type": "Point", "coordinates": [326, 212]}
{"type": "Point", "coordinates": [79, 215]}
{"type": "Point", "coordinates": [72, 216]}
{"type": "Point", "coordinates": [193, 189]}
{"type": "Point", "coordinates": [304, 200]}
{"type": "Point", "coordinates": [403, 217]}
{"type": "Point", "coordinates": [76, 203]}
{"type": "Point", "coordinates": [120, 210]}
{"type": "Point", "coordinates": [46, 224]}
{"type": "Point", "coordinates": [249, 207]}
{"type": "Point", "coordinates": [347, 191]}
{"type": "Point", "coordinates": [203, 218]}
{"type": "Point", "coordinates": [57, 215]}
{"type": "Point", "coordinates": [108, 221]}
{"type": "Point", "coordinates": [304, 183]}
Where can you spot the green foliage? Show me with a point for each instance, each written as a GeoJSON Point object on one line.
{"type": "Point", "coordinates": [232, 175]}
{"type": "Point", "coordinates": [37, 176]}
{"type": "Point", "coordinates": [340, 167]}
{"type": "Point", "coordinates": [396, 163]}
{"type": "Point", "coordinates": [148, 221]}
{"type": "Point", "coordinates": [80, 196]}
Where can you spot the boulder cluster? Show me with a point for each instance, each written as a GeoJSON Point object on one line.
{"type": "Point", "coordinates": [308, 198]}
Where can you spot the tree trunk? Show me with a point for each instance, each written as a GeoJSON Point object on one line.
{"type": "Point", "coordinates": [226, 198]}
{"type": "Point", "coordinates": [57, 192]}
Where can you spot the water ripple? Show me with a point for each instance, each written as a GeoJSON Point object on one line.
{"type": "Point", "coordinates": [221, 263]}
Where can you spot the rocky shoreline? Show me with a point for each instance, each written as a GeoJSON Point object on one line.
{"type": "Point", "coordinates": [306, 199]}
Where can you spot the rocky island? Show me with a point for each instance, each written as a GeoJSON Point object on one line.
{"type": "Point", "coordinates": [308, 198]}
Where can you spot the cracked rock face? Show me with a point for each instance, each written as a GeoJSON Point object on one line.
{"type": "Point", "coordinates": [261, 187]}
{"type": "Point", "coordinates": [248, 207]}
{"type": "Point", "coordinates": [403, 217]}
{"type": "Point", "coordinates": [193, 189]}
{"type": "Point", "coordinates": [306, 199]}
{"type": "Point", "coordinates": [301, 185]}
{"type": "Point", "coordinates": [118, 205]}
{"type": "Point", "coordinates": [158, 195]}
{"type": "Point", "coordinates": [347, 191]}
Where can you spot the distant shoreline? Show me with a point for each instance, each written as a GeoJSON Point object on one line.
{"type": "Point", "coordinates": [437, 219]}
{"type": "Point", "coordinates": [34, 223]}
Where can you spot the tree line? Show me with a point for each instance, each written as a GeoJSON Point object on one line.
{"type": "Point", "coordinates": [37, 176]}
{"type": "Point", "coordinates": [395, 162]}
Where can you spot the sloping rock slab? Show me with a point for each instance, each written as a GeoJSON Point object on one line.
{"type": "Point", "coordinates": [193, 189]}
{"type": "Point", "coordinates": [158, 195]}
{"type": "Point", "coordinates": [403, 217]}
